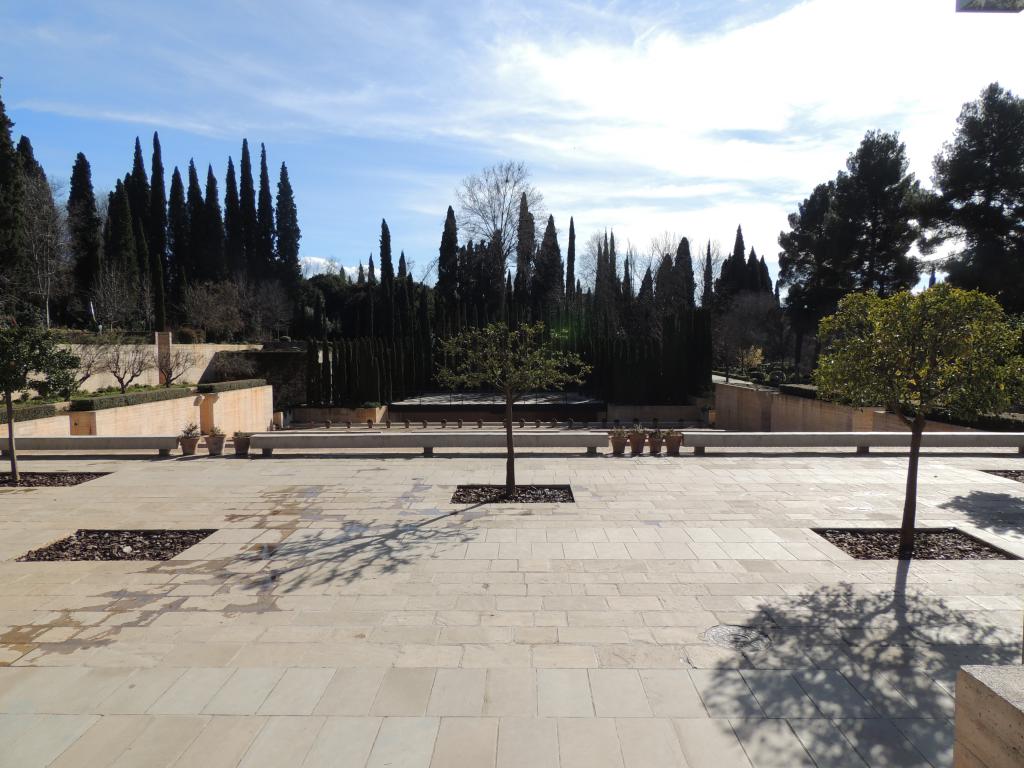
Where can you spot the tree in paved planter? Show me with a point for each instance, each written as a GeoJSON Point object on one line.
{"type": "Point", "coordinates": [29, 356]}
{"type": "Point", "coordinates": [511, 361]}
{"type": "Point", "coordinates": [944, 349]}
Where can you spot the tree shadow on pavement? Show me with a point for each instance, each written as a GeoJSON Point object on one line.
{"type": "Point", "coordinates": [997, 512]}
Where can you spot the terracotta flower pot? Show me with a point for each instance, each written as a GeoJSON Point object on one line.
{"type": "Point", "coordinates": [188, 445]}
{"type": "Point", "coordinates": [672, 444]}
{"type": "Point", "coordinates": [636, 443]}
{"type": "Point", "coordinates": [242, 445]}
{"type": "Point", "coordinates": [656, 443]}
{"type": "Point", "coordinates": [618, 446]}
{"type": "Point", "coordinates": [215, 444]}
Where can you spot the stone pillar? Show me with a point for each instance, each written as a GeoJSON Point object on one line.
{"type": "Point", "coordinates": [163, 349]}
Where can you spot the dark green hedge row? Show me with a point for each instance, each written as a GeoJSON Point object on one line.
{"type": "Point", "coordinates": [30, 412]}
{"type": "Point", "coordinates": [808, 391]}
{"type": "Point", "coordinates": [132, 398]}
{"type": "Point", "coordinates": [228, 386]}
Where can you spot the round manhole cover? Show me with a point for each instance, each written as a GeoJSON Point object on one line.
{"type": "Point", "coordinates": [736, 638]}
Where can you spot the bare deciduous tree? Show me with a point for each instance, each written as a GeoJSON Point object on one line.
{"type": "Point", "coordinates": [126, 362]}
{"type": "Point", "coordinates": [214, 307]}
{"type": "Point", "coordinates": [489, 203]}
{"type": "Point", "coordinates": [174, 363]}
{"type": "Point", "coordinates": [115, 300]}
{"type": "Point", "coordinates": [90, 362]}
{"type": "Point", "coordinates": [45, 238]}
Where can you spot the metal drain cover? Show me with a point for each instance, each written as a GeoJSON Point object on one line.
{"type": "Point", "coordinates": [736, 638]}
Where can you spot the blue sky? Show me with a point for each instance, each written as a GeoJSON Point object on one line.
{"type": "Point", "coordinates": [687, 118]}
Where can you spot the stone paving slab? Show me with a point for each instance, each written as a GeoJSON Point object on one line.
{"type": "Point", "coordinates": [345, 613]}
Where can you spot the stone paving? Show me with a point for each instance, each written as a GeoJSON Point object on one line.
{"type": "Point", "coordinates": [346, 614]}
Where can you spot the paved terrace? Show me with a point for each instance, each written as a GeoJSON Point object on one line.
{"type": "Point", "coordinates": [346, 614]}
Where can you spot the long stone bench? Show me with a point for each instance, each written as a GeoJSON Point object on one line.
{"type": "Point", "coordinates": [163, 444]}
{"type": "Point", "coordinates": [700, 440]}
{"type": "Point", "coordinates": [267, 442]}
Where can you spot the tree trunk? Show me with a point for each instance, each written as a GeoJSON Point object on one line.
{"type": "Point", "coordinates": [910, 503]}
{"type": "Point", "coordinates": [9, 402]}
{"type": "Point", "coordinates": [510, 462]}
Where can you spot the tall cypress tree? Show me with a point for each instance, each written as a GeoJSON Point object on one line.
{"type": "Point", "coordinates": [707, 296]}
{"type": "Point", "coordinates": [527, 235]}
{"type": "Point", "coordinates": [211, 260]}
{"type": "Point", "coordinates": [12, 247]}
{"type": "Point", "coordinates": [84, 227]}
{"type": "Point", "coordinates": [570, 261]}
{"type": "Point", "coordinates": [387, 278]}
{"type": "Point", "coordinates": [247, 201]}
{"type": "Point", "coordinates": [548, 284]}
{"type": "Point", "coordinates": [265, 221]}
{"type": "Point", "coordinates": [234, 241]}
{"type": "Point", "coordinates": [177, 236]}
{"type": "Point", "coordinates": [192, 268]}
{"type": "Point", "coordinates": [288, 232]}
{"type": "Point", "coordinates": [448, 264]}
{"type": "Point", "coordinates": [137, 188]}
{"type": "Point", "coordinates": [157, 234]}
{"type": "Point", "coordinates": [683, 270]}
{"type": "Point", "coordinates": [119, 245]}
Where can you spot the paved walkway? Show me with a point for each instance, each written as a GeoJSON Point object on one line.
{"type": "Point", "coordinates": [345, 614]}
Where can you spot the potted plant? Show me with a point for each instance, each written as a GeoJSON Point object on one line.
{"type": "Point", "coordinates": [656, 438]}
{"type": "Point", "coordinates": [241, 440]}
{"type": "Point", "coordinates": [618, 438]}
{"type": "Point", "coordinates": [637, 438]}
{"type": "Point", "coordinates": [189, 439]}
{"type": "Point", "coordinates": [215, 441]}
{"type": "Point", "coordinates": [673, 440]}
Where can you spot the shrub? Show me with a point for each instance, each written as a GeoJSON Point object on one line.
{"type": "Point", "coordinates": [228, 386]}
{"type": "Point", "coordinates": [132, 398]}
{"type": "Point", "coordinates": [30, 412]}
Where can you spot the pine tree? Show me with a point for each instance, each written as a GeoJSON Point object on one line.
{"type": "Point", "coordinates": [211, 264]}
{"type": "Point", "coordinates": [448, 264]}
{"type": "Point", "coordinates": [570, 261]}
{"type": "Point", "coordinates": [247, 200]}
{"type": "Point", "coordinates": [234, 239]}
{"type": "Point", "coordinates": [157, 233]}
{"type": "Point", "coordinates": [265, 232]}
{"type": "Point", "coordinates": [177, 236]}
{"type": "Point", "coordinates": [84, 227]}
{"type": "Point", "coordinates": [288, 232]}
{"type": "Point", "coordinates": [12, 243]}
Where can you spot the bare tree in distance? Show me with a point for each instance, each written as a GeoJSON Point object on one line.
{"type": "Point", "coordinates": [90, 362]}
{"type": "Point", "coordinates": [489, 203]}
{"type": "Point", "coordinates": [45, 240]}
{"type": "Point", "coordinates": [126, 362]}
{"type": "Point", "coordinates": [174, 363]}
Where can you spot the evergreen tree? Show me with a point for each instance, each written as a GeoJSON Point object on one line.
{"type": "Point", "coordinates": [119, 245]}
{"type": "Point", "coordinates": [157, 233]}
{"type": "Point", "coordinates": [371, 275]}
{"type": "Point", "coordinates": [288, 232]}
{"type": "Point", "coordinates": [138, 190]}
{"type": "Point", "coordinates": [211, 261]}
{"type": "Point", "coordinates": [192, 265]}
{"type": "Point", "coordinates": [707, 296]}
{"type": "Point", "coordinates": [764, 277]}
{"type": "Point", "coordinates": [84, 226]}
{"type": "Point", "coordinates": [548, 286]}
{"type": "Point", "coordinates": [448, 264]}
{"type": "Point", "coordinates": [247, 200]}
{"type": "Point", "coordinates": [361, 275]}
{"type": "Point", "coordinates": [387, 278]}
{"type": "Point", "coordinates": [752, 280]}
{"type": "Point", "coordinates": [265, 231]}
{"type": "Point", "coordinates": [403, 271]}
{"type": "Point", "coordinates": [12, 243]}
{"type": "Point", "coordinates": [570, 261]}
{"type": "Point", "coordinates": [683, 270]}
{"type": "Point", "coordinates": [666, 293]}
{"type": "Point", "coordinates": [234, 239]}
{"type": "Point", "coordinates": [177, 236]}
{"type": "Point", "coordinates": [526, 237]}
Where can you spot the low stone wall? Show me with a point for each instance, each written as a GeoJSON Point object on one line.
{"type": "Point", "coordinates": [989, 731]}
{"type": "Point", "coordinates": [238, 410]}
{"type": "Point", "coordinates": [647, 413]}
{"type": "Point", "coordinates": [51, 426]}
{"type": "Point", "coordinates": [742, 408]}
{"type": "Point", "coordinates": [311, 415]}
{"type": "Point", "coordinates": [167, 417]}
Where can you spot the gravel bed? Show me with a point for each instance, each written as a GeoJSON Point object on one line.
{"type": "Point", "coordinates": [929, 544]}
{"type": "Point", "coordinates": [48, 479]}
{"type": "Point", "coordinates": [119, 545]}
{"type": "Point", "coordinates": [1011, 474]}
{"type": "Point", "coordinates": [524, 494]}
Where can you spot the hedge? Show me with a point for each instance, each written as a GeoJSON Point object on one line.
{"type": "Point", "coordinates": [808, 391]}
{"type": "Point", "coordinates": [30, 412]}
{"type": "Point", "coordinates": [132, 398]}
{"type": "Point", "coordinates": [228, 386]}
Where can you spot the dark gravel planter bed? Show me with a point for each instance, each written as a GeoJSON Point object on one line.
{"type": "Point", "coordinates": [929, 544]}
{"type": "Point", "coordinates": [119, 545]}
{"type": "Point", "coordinates": [48, 479]}
{"type": "Point", "coordinates": [1010, 474]}
{"type": "Point", "coordinates": [524, 494]}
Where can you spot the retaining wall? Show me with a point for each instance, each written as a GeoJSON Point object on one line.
{"type": "Point", "coordinates": [203, 353]}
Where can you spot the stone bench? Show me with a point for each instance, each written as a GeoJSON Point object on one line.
{"type": "Point", "coordinates": [267, 442]}
{"type": "Point", "coordinates": [989, 731]}
{"type": "Point", "coordinates": [163, 444]}
{"type": "Point", "coordinates": [700, 440]}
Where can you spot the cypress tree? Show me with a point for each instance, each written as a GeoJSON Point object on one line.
{"type": "Point", "coordinates": [570, 261]}
{"type": "Point", "coordinates": [403, 270]}
{"type": "Point", "coordinates": [138, 191]}
{"type": "Point", "coordinates": [12, 244]}
{"type": "Point", "coordinates": [524, 252]}
{"type": "Point", "coordinates": [234, 240]}
{"type": "Point", "coordinates": [247, 201]}
{"type": "Point", "coordinates": [752, 277]}
{"type": "Point", "coordinates": [666, 290]}
{"type": "Point", "coordinates": [265, 222]}
{"type": "Point", "coordinates": [548, 286]}
{"type": "Point", "coordinates": [361, 275]}
{"type": "Point", "coordinates": [211, 264]}
{"type": "Point", "coordinates": [683, 270]}
{"type": "Point", "coordinates": [707, 297]}
{"type": "Point", "coordinates": [177, 236]}
{"type": "Point", "coordinates": [387, 267]}
{"type": "Point", "coordinates": [765, 278]}
{"type": "Point", "coordinates": [119, 246]}
{"type": "Point", "coordinates": [84, 226]}
{"type": "Point", "coordinates": [371, 276]}
{"type": "Point", "coordinates": [288, 232]}
{"type": "Point", "coordinates": [191, 265]}
{"type": "Point", "coordinates": [157, 233]}
{"type": "Point", "coordinates": [448, 263]}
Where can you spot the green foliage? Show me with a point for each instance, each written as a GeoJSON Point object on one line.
{"type": "Point", "coordinates": [229, 386]}
{"type": "Point", "coordinates": [288, 232]}
{"type": "Point", "coordinates": [30, 412]}
{"type": "Point", "coordinates": [512, 361]}
{"type": "Point", "coordinates": [944, 349]}
{"type": "Point", "coordinates": [29, 357]}
{"type": "Point", "coordinates": [103, 402]}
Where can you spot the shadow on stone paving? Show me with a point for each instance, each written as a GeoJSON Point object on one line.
{"type": "Point", "coordinates": [856, 666]}
{"type": "Point", "coordinates": [996, 512]}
